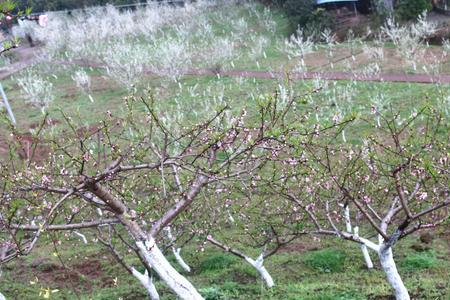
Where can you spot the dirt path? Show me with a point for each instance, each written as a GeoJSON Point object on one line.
{"type": "Point", "coordinates": [413, 78]}
{"type": "Point", "coordinates": [27, 57]}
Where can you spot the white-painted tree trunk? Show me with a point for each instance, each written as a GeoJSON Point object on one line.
{"type": "Point", "coordinates": [258, 264]}
{"type": "Point", "coordinates": [99, 212]}
{"type": "Point", "coordinates": [230, 218]}
{"type": "Point", "coordinates": [176, 251]}
{"type": "Point", "coordinates": [82, 236]}
{"type": "Point", "coordinates": [366, 255]}
{"type": "Point", "coordinates": [348, 223]}
{"type": "Point", "coordinates": [178, 283]}
{"type": "Point", "coordinates": [2, 297]}
{"type": "Point", "coordinates": [389, 267]}
{"type": "Point", "coordinates": [365, 252]}
{"type": "Point", "coordinates": [147, 282]}
{"type": "Point", "coordinates": [180, 260]}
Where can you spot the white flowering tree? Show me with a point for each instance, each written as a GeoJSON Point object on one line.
{"type": "Point", "coordinates": [36, 90]}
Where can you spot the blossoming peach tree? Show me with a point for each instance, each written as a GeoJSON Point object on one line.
{"type": "Point", "coordinates": [131, 178]}
{"type": "Point", "coordinates": [391, 182]}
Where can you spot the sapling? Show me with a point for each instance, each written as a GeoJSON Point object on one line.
{"type": "Point", "coordinates": [397, 182]}
{"type": "Point", "coordinates": [83, 82]}
{"type": "Point", "coordinates": [409, 40]}
{"type": "Point", "coordinates": [297, 46]}
{"type": "Point", "coordinates": [36, 90]}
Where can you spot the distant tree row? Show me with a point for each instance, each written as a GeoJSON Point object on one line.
{"type": "Point", "coordinates": [50, 5]}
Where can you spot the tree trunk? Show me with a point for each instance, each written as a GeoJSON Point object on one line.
{"type": "Point", "coordinates": [147, 282]}
{"type": "Point", "coordinates": [179, 284]}
{"type": "Point", "coordinates": [389, 267]}
{"type": "Point", "coordinates": [148, 250]}
{"type": "Point", "coordinates": [180, 260]}
{"type": "Point", "coordinates": [2, 297]}
{"type": "Point", "coordinates": [82, 236]}
{"type": "Point", "coordinates": [258, 265]}
{"type": "Point", "coordinates": [366, 255]}
{"type": "Point", "coordinates": [364, 250]}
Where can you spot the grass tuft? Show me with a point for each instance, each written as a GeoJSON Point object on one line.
{"type": "Point", "coordinates": [419, 261]}
{"type": "Point", "coordinates": [217, 262]}
{"type": "Point", "coordinates": [327, 260]}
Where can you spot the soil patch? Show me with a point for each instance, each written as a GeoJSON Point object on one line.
{"type": "Point", "coordinates": [78, 277]}
{"type": "Point", "coordinates": [299, 247]}
{"type": "Point", "coordinates": [30, 147]}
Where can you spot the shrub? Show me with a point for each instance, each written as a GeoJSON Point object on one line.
{"type": "Point", "coordinates": [212, 293]}
{"type": "Point", "coordinates": [303, 14]}
{"type": "Point", "coordinates": [217, 262]}
{"type": "Point", "coordinates": [423, 260]}
{"type": "Point", "coordinates": [411, 9]}
{"type": "Point", "coordinates": [318, 21]}
{"type": "Point", "coordinates": [299, 11]}
{"type": "Point", "coordinates": [36, 90]}
{"type": "Point", "coordinates": [335, 295]}
{"type": "Point", "coordinates": [327, 260]}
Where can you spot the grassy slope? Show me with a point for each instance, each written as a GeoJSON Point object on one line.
{"type": "Point", "coordinates": [301, 272]}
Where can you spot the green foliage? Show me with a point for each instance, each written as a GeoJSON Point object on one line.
{"type": "Point", "coordinates": [318, 21]}
{"type": "Point", "coordinates": [304, 14]}
{"type": "Point", "coordinates": [217, 262]}
{"type": "Point", "coordinates": [327, 260]}
{"type": "Point", "coordinates": [49, 5]}
{"type": "Point", "coordinates": [212, 293]}
{"type": "Point", "coordinates": [411, 9]}
{"type": "Point", "coordinates": [335, 295]}
{"type": "Point", "coordinates": [419, 261]}
{"type": "Point", "coordinates": [299, 11]}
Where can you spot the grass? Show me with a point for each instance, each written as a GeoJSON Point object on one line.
{"type": "Point", "coordinates": [419, 261]}
{"type": "Point", "coordinates": [326, 260]}
{"type": "Point", "coordinates": [239, 92]}
{"type": "Point", "coordinates": [297, 274]}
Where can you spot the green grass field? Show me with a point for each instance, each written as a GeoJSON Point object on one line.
{"type": "Point", "coordinates": [301, 271]}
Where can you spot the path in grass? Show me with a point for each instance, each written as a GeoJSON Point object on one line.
{"type": "Point", "coordinates": [26, 59]}
{"type": "Point", "coordinates": [413, 78]}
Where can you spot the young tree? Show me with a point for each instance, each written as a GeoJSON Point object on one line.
{"type": "Point", "coordinates": [396, 180]}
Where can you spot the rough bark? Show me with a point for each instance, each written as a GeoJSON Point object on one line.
{"type": "Point", "coordinates": [258, 264]}
{"type": "Point", "coordinates": [147, 282]}
{"type": "Point", "coordinates": [147, 248]}
{"type": "Point", "coordinates": [365, 252]}
{"type": "Point", "coordinates": [178, 283]}
{"type": "Point", "coordinates": [390, 269]}
{"type": "Point", "coordinates": [180, 260]}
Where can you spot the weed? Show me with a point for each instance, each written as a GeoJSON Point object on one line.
{"type": "Point", "coordinates": [327, 260]}
{"type": "Point", "coordinates": [217, 262]}
{"type": "Point", "coordinates": [418, 261]}
{"type": "Point", "coordinates": [212, 293]}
